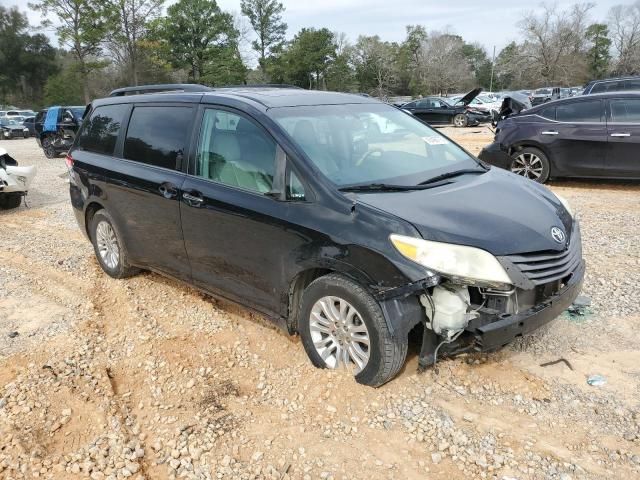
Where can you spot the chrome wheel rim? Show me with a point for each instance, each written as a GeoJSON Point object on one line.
{"type": "Point", "coordinates": [339, 334]}
{"type": "Point", "coordinates": [528, 165]}
{"type": "Point", "coordinates": [107, 245]}
{"type": "Point", "coordinates": [458, 121]}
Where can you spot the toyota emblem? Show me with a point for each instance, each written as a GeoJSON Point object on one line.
{"type": "Point", "coordinates": [558, 235]}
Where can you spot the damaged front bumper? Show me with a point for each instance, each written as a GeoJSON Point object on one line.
{"type": "Point", "coordinates": [507, 327]}
{"type": "Point", "coordinates": [492, 330]}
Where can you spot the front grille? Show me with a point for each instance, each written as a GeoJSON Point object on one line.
{"type": "Point", "coordinates": [545, 267]}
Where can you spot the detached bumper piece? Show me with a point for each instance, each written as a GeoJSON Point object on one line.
{"type": "Point", "coordinates": [495, 155]}
{"type": "Point", "coordinates": [495, 335]}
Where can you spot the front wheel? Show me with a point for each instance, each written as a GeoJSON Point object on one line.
{"type": "Point", "coordinates": [460, 120]}
{"type": "Point", "coordinates": [342, 326]}
{"type": "Point", "coordinates": [531, 163]}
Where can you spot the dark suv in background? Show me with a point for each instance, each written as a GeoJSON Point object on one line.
{"type": "Point", "coordinates": [55, 137]}
{"type": "Point", "coordinates": [344, 219]}
{"type": "Point", "coordinates": [586, 136]}
{"type": "Point", "coordinates": [619, 84]}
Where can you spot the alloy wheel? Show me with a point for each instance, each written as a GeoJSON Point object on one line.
{"type": "Point", "coordinates": [108, 247]}
{"type": "Point", "coordinates": [528, 165]}
{"type": "Point", "coordinates": [458, 121]}
{"type": "Point", "coordinates": [339, 334]}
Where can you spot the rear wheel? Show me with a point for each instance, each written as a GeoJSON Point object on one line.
{"type": "Point", "coordinates": [10, 200]}
{"type": "Point", "coordinates": [48, 147]}
{"type": "Point", "coordinates": [531, 163]}
{"type": "Point", "coordinates": [108, 246]}
{"type": "Point", "coordinates": [460, 120]}
{"type": "Point", "coordinates": [341, 326]}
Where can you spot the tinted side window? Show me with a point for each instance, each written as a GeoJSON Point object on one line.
{"type": "Point", "coordinates": [590, 111]}
{"type": "Point", "coordinates": [632, 84]}
{"type": "Point", "coordinates": [549, 112]}
{"type": "Point", "coordinates": [627, 111]}
{"type": "Point", "coordinates": [235, 151]}
{"type": "Point", "coordinates": [101, 129]}
{"type": "Point", "coordinates": [158, 135]}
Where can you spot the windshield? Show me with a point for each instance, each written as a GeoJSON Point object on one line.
{"type": "Point", "coordinates": [543, 91]}
{"type": "Point", "coordinates": [366, 143]}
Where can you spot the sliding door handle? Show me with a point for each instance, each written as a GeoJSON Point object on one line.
{"type": "Point", "coordinates": [620, 134]}
{"type": "Point", "coordinates": [192, 200]}
{"type": "Point", "coordinates": [550, 132]}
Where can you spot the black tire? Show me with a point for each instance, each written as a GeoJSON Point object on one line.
{"type": "Point", "coordinates": [48, 148]}
{"type": "Point", "coordinates": [460, 120]}
{"type": "Point", "coordinates": [387, 353]}
{"type": "Point", "coordinates": [528, 152]}
{"type": "Point", "coordinates": [122, 268]}
{"type": "Point", "coordinates": [9, 201]}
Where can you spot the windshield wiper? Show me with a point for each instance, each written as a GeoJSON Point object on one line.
{"type": "Point", "coordinates": [385, 187]}
{"type": "Point", "coordinates": [455, 173]}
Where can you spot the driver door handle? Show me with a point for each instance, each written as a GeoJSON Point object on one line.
{"type": "Point", "coordinates": [550, 132]}
{"type": "Point", "coordinates": [193, 199]}
{"type": "Point", "coordinates": [620, 134]}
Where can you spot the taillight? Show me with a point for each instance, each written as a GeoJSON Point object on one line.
{"type": "Point", "coordinates": [69, 161]}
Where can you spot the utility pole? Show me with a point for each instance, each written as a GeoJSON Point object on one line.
{"type": "Point", "coordinates": [493, 64]}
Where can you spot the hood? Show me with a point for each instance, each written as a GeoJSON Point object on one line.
{"type": "Point", "coordinates": [468, 98]}
{"type": "Point", "coordinates": [496, 211]}
{"type": "Point", "coordinates": [513, 104]}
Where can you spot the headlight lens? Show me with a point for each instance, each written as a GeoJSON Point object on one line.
{"type": "Point", "coordinates": [457, 261]}
{"type": "Point", "coordinates": [565, 204]}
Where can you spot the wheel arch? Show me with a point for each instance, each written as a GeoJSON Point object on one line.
{"type": "Point", "coordinates": [304, 278]}
{"type": "Point", "coordinates": [90, 210]}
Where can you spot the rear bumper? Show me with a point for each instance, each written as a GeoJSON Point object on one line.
{"type": "Point", "coordinates": [494, 154]}
{"type": "Point", "coordinates": [497, 334]}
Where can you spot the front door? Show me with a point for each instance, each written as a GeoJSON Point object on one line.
{"type": "Point", "coordinates": [237, 235]}
{"type": "Point", "coordinates": [623, 147]}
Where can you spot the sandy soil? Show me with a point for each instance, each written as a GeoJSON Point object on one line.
{"type": "Point", "coordinates": [147, 378]}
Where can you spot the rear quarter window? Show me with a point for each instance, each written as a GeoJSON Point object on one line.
{"type": "Point", "coordinates": [625, 110]}
{"type": "Point", "coordinates": [589, 111]}
{"type": "Point", "coordinates": [100, 131]}
{"type": "Point", "coordinates": [157, 135]}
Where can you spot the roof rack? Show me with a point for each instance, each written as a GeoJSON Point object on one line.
{"type": "Point", "coordinates": [260, 85]}
{"type": "Point", "coordinates": [160, 88]}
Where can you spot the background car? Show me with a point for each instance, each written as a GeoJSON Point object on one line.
{"type": "Point", "coordinates": [30, 123]}
{"type": "Point", "coordinates": [544, 95]}
{"type": "Point", "coordinates": [439, 111]}
{"type": "Point", "coordinates": [484, 103]}
{"type": "Point", "coordinates": [56, 138]}
{"type": "Point", "coordinates": [612, 85]}
{"type": "Point", "coordinates": [11, 127]}
{"type": "Point", "coordinates": [586, 136]}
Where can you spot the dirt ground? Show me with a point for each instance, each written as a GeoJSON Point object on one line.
{"type": "Point", "coordinates": [147, 378]}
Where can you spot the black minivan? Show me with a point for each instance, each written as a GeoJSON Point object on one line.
{"type": "Point", "coordinates": [344, 219]}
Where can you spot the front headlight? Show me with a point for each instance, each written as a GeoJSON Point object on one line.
{"type": "Point", "coordinates": [565, 204]}
{"type": "Point", "coordinates": [458, 262]}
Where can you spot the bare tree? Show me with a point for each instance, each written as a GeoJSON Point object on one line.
{"type": "Point", "coordinates": [554, 41]}
{"type": "Point", "coordinates": [624, 26]}
{"type": "Point", "coordinates": [374, 62]}
{"type": "Point", "coordinates": [442, 63]}
{"type": "Point", "coordinates": [129, 20]}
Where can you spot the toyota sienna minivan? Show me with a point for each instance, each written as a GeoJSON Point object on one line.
{"type": "Point", "coordinates": [344, 219]}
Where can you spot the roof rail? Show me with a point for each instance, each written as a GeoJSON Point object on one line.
{"type": "Point", "coordinates": [260, 85]}
{"type": "Point", "coordinates": [160, 88]}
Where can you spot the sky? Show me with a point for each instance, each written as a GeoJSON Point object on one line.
{"type": "Point", "coordinates": [490, 22]}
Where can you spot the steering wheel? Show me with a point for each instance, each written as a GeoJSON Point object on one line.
{"type": "Point", "coordinates": [368, 154]}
